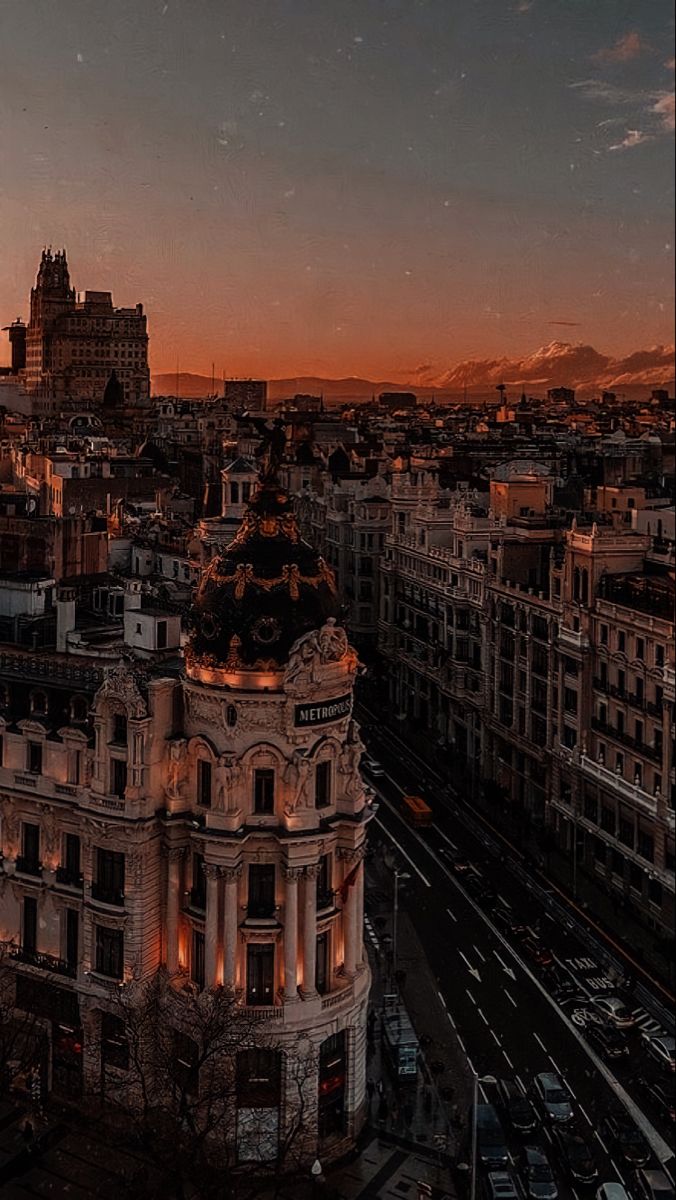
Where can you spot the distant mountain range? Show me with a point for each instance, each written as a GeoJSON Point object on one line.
{"type": "Point", "coordinates": [560, 364]}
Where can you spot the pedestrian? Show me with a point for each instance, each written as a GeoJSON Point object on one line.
{"type": "Point", "coordinates": [381, 1088]}
{"type": "Point", "coordinates": [28, 1133]}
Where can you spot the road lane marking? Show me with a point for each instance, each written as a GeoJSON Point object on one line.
{"type": "Point", "coordinates": [472, 970]}
{"type": "Point", "coordinates": [510, 998]}
{"type": "Point", "coordinates": [520, 1082]}
{"type": "Point", "coordinates": [408, 858]}
{"type": "Point", "coordinates": [569, 1088]}
{"type": "Point", "coordinates": [555, 1066]}
{"type": "Point", "coordinates": [575, 1193]}
{"type": "Point", "coordinates": [495, 1037]}
{"type": "Point", "coordinates": [441, 998]}
{"type": "Point", "coordinates": [470, 996]}
{"type": "Point", "coordinates": [484, 1018]}
{"type": "Point", "coordinates": [617, 1171]}
{"type": "Point", "coordinates": [450, 1019]}
{"type": "Point", "coordinates": [462, 1046]}
{"type": "Point", "coordinates": [506, 969]}
{"type": "Point", "coordinates": [507, 1059]}
{"type": "Point", "coordinates": [452, 915]}
{"type": "Point", "coordinates": [586, 1116]}
{"type": "Point", "coordinates": [657, 1143]}
{"type": "Point", "coordinates": [446, 838]}
{"type": "Point", "coordinates": [478, 952]}
{"type": "Point", "coordinates": [540, 1042]}
{"type": "Point", "coordinates": [601, 1142]}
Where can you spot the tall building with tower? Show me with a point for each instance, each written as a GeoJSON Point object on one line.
{"type": "Point", "coordinates": [76, 343]}
{"type": "Point", "coordinates": [204, 822]}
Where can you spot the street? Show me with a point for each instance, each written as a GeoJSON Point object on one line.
{"type": "Point", "coordinates": [498, 1000]}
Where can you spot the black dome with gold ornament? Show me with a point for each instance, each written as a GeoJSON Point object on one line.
{"type": "Point", "coordinates": [267, 589]}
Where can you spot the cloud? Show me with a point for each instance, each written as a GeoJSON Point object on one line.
{"type": "Point", "coordinates": [664, 108]}
{"type": "Point", "coordinates": [571, 323]}
{"type": "Point", "coordinates": [625, 48]}
{"type": "Point", "coordinates": [633, 137]}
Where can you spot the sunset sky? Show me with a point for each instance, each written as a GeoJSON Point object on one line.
{"type": "Point", "coordinates": [345, 186]}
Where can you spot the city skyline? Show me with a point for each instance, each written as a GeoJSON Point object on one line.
{"type": "Point", "coordinates": [289, 193]}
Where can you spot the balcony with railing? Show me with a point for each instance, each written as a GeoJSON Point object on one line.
{"type": "Point", "coordinates": [68, 878]}
{"type": "Point", "coordinates": [28, 866]}
{"type": "Point", "coordinates": [45, 962]}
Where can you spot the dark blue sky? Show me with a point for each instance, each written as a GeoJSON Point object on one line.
{"type": "Point", "coordinates": [338, 186]}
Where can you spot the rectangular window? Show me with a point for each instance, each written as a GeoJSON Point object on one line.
{"type": "Point", "coordinates": [114, 1045]}
{"type": "Point", "coordinates": [119, 729]}
{"type": "Point", "coordinates": [621, 641]}
{"type": "Point", "coordinates": [29, 932]}
{"type": "Point", "coordinates": [626, 832]}
{"type": "Point", "coordinates": [162, 633]}
{"type": "Point", "coordinates": [323, 784]}
{"type": "Point", "coordinates": [204, 777]}
{"type": "Point", "coordinates": [197, 958]}
{"type": "Point", "coordinates": [638, 732]}
{"type": "Point", "coordinates": [324, 892]}
{"type": "Point", "coordinates": [646, 845]}
{"type": "Point", "coordinates": [603, 633]}
{"type": "Point", "coordinates": [109, 883]}
{"type": "Point", "coordinates": [570, 700]}
{"type": "Point", "coordinates": [261, 890]}
{"type": "Point", "coordinates": [260, 974]}
{"type": "Point", "coordinates": [71, 858]}
{"type": "Point", "coordinates": [118, 782]}
{"type": "Point", "coordinates": [591, 808]}
{"type": "Point", "coordinates": [198, 890]}
{"type": "Point", "coordinates": [322, 968]}
{"type": "Point", "coordinates": [109, 952]}
{"type": "Point", "coordinates": [30, 847]}
{"type": "Point", "coordinates": [34, 758]}
{"type": "Point", "coordinates": [608, 819]}
{"type": "Point", "coordinates": [264, 791]}
{"type": "Point", "coordinates": [72, 938]}
{"type": "Point", "coordinates": [640, 648]}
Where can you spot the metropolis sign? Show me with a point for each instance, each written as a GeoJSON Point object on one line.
{"type": "Point", "coordinates": [321, 714]}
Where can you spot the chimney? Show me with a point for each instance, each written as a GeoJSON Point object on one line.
{"type": "Point", "coordinates": [65, 617]}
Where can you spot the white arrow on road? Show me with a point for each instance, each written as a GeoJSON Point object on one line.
{"type": "Point", "coordinates": [472, 970]}
{"type": "Point", "coordinates": [504, 966]}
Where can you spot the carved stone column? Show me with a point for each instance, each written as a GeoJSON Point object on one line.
{"type": "Point", "coordinates": [175, 856]}
{"type": "Point", "coordinates": [291, 875]}
{"type": "Point", "coordinates": [232, 876]}
{"type": "Point", "coordinates": [213, 874]}
{"type": "Point", "coordinates": [353, 918]}
{"type": "Point", "coordinates": [310, 930]}
{"type": "Point", "coordinates": [359, 911]}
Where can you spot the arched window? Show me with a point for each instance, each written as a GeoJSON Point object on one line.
{"type": "Point", "coordinates": [576, 584]}
{"type": "Point", "coordinates": [39, 703]}
{"type": "Point", "coordinates": [584, 591]}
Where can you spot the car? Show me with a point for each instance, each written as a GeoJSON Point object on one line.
{"type": "Point", "coordinates": [649, 1183]}
{"type": "Point", "coordinates": [553, 1097]}
{"type": "Point", "coordinates": [539, 1178]}
{"type": "Point", "coordinates": [478, 886]}
{"type": "Point", "coordinates": [500, 1185]}
{"type": "Point", "coordinates": [372, 766]}
{"type": "Point", "coordinates": [612, 1191]}
{"type": "Point", "coordinates": [662, 1047]}
{"type": "Point", "coordinates": [491, 1143]}
{"type": "Point", "coordinates": [626, 1139]}
{"type": "Point", "coordinates": [461, 866]}
{"type": "Point", "coordinates": [519, 1110]}
{"type": "Point", "coordinates": [615, 1010]}
{"type": "Point", "coordinates": [505, 919]}
{"type": "Point", "coordinates": [575, 1154]}
{"type": "Point", "coordinates": [660, 1098]}
{"type": "Point", "coordinates": [539, 954]}
{"type": "Point", "coordinates": [607, 1041]}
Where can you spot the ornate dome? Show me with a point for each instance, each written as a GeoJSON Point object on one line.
{"type": "Point", "coordinates": [265, 591]}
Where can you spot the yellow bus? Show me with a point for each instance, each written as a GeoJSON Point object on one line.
{"type": "Point", "coordinates": [417, 811]}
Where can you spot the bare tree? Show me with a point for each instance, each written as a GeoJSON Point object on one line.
{"type": "Point", "coordinates": [22, 1037]}
{"type": "Point", "coordinates": [174, 1079]}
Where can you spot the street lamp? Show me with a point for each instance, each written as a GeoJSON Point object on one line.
{"type": "Point", "coordinates": [477, 1079]}
{"type": "Point", "coordinates": [395, 915]}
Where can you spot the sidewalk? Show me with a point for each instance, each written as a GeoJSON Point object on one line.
{"type": "Point", "coordinates": [414, 1133]}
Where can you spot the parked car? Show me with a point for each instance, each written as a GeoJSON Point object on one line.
{"type": "Point", "coordinates": [612, 1191]}
{"type": "Point", "coordinates": [491, 1143]}
{"type": "Point", "coordinates": [478, 886]}
{"type": "Point", "coordinates": [575, 1154]}
{"type": "Point", "coordinates": [652, 1184]}
{"type": "Point", "coordinates": [660, 1097]}
{"type": "Point", "coordinates": [662, 1047]}
{"type": "Point", "coordinates": [539, 954]}
{"type": "Point", "coordinates": [553, 1097]}
{"type": "Point", "coordinates": [461, 866]}
{"type": "Point", "coordinates": [372, 766]}
{"type": "Point", "coordinates": [519, 1110]}
{"type": "Point", "coordinates": [500, 1185]}
{"type": "Point", "coordinates": [539, 1178]}
{"type": "Point", "coordinates": [615, 1010]}
{"type": "Point", "coordinates": [607, 1041]}
{"type": "Point", "coordinates": [505, 919]}
{"type": "Point", "coordinates": [626, 1139]}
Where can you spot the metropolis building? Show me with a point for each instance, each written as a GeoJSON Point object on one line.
{"type": "Point", "coordinates": [202, 818]}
